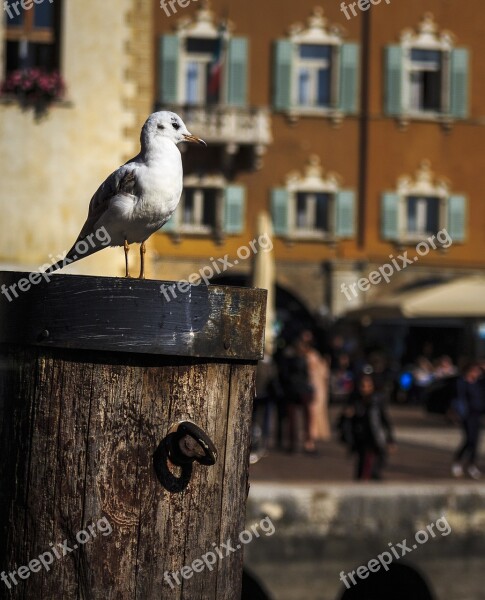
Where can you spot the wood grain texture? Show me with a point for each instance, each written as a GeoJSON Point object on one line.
{"type": "Point", "coordinates": [78, 432]}
{"type": "Point", "coordinates": [131, 315]}
{"type": "Point", "coordinates": [85, 408]}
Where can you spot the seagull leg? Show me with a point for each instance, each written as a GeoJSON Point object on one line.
{"type": "Point", "coordinates": [142, 260]}
{"type": "Point", "coordinates": [127, 249]}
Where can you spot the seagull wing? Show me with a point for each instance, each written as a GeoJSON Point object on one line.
{"type": "Point", "coordinates": [122, 181]}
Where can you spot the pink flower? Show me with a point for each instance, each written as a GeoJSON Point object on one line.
{"type": "Point", "coordinates": [34, 83]}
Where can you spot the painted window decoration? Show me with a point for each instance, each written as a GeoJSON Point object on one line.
{"type": "Point", "coordinates": [422, 206]}
{"type": "Point", "coordinates": [209, 207]}
{"type": "Point", "coordinates": [427, 76]}
{"type": "Point", "coordinates": [315, 72]}
{"type": "Point", "coordinates": [203, 64]}
{"type": "Point", "coordinates": [313, 206]}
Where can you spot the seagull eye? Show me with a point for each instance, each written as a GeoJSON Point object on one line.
{"type": "Point", "coordinates": [176, 126]}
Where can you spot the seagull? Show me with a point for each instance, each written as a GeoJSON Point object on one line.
{"type": "Point", "coordinates": [140, 196]}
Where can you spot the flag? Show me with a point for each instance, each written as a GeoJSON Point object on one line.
{"type": "Point", "coordinates": [216, 66]}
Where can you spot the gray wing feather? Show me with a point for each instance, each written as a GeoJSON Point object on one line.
{"type": "Point", "coordinates": [121, 181]}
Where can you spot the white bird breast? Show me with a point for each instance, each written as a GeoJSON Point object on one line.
{"type": "Point", "coordinates": [135, 218]}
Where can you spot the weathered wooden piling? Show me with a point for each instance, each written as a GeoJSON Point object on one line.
{"type": "Point", "coordinates": [95, 376]}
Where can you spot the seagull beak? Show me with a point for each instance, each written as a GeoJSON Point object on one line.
{"type": "Point", "coordinates": [191, 138]}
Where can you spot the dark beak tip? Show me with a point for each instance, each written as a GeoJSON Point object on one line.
{"type": "Point", "coordinates": [194, 139]}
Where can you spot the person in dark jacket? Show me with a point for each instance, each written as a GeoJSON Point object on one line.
{"type": "Point", "coordinates": [469, 408]}
{"type": "Point", "coordinates": [298, 392]}
{"type": "Point", "coordinates": [371, 435]}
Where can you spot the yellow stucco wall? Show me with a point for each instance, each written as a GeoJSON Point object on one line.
{"type": "Point", "coordinates": [51, 167]}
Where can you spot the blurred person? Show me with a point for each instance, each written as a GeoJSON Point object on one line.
{"type": "Point", "coordinates": [444, 367]}
{"type": "Point", "coordinates": [468, 406]}
{"type": "Point", "coordinates": [423, 375]}
{"type": "Point", "coordinates": [319, 374]}
{"type": "Point", "coordinates": [341, 379]}
{"type": "Point", "coordinates": [381, 373]}
{"type": "Point", "coordinates": [266, 374]}
{"type": "Point", "coordinates": [371, 434]}
{"type": "Point", "coordinates": [298, 393]}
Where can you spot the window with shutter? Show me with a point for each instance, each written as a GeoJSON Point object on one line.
{"type": "Point", "coordinates": [169, 66]}
{"type": "Point", "coordinates": [279, 210]}
{"type": "Point", "coordinates": [426, 76]}
{"type": "Point", "coordinates": [234, 209]}
{"type": "Point", "coordinates": [315, 72]}
{"type": "Point", "coordinates": [312, 207]}
{"type": "Point", "coordinates": [237, 75]}
{"type": "Point", "coordinates": [421, 207]}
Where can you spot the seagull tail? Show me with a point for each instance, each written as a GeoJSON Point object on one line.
{"type": "Point", "coordinates": [73, 256]}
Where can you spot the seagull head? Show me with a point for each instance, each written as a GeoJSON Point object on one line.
{"type": "Point", "coordinates": [167, 125]}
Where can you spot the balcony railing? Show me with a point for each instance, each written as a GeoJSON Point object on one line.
{"type": "Point", "coordinates": [227, 124]}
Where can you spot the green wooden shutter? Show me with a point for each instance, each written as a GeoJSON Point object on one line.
{"type": "Point", "coordinates": [393, 79]}
{"type": "Point", "coordinates": [280, 198]}
{"type": "Point", "coordinates": [349, 78]}
{"type": "Point", "coordinates": [234, 209]}
{"type": "Point", "coordinates": [345, 214]}
{"type": "Point", "coordinates": [169, 53]}
{"type": "Point", "coordinates": [237, 74]}
{"type": "Point", "coordinates": [282, 71]}
{"type": "Point", "coordinates": [390, 216]}
{"type": "Point", "coordinates": [456, 225]}
{"type": "Point", "coordinates": [460, 58]}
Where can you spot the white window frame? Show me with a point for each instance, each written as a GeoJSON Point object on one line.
{"type": "Point", "coordinates": [426, 186]}
{"type": "Point", "coordinates": [410, 67]}
{"type": "Point", "coordinates": [311, 210]}
{"type": "Point", "coordinates": [418, 236]}
{"type": "Point", "coordinates": [314, 65]}
{"type": "Point", "coordinates": [311, 182]}
{"type": "Point", "coordinates": [316, 33]}
{"type": "Point", "coordinates": [427, 37]}
{"type": "Point", "coordinates": [200, 184]}
{"type": "Point", "coordinates": [202, 27]}
{"type": "Point", "coordinates": [202, 61]}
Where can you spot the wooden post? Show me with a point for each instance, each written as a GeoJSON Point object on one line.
{"type": "Point", "coordinates": [94, 373]}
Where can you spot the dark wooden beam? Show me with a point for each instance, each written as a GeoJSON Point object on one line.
{"type": "Point", "coordinates": [131, 315]}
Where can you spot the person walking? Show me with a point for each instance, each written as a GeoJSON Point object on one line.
{"type": "Point", "coordinates": [371, 431]}
{"type": "Point", "coordinates": [468, 406]}
{"type": "Point", "coordinates": [298, 393]}
{"type": "Point", "coordinates": [319, 375]}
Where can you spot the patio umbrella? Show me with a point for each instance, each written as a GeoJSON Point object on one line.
{"type": "Point", "coordinates": [458, 298]}
{"type": "Point", "coordinates": [264, 275]}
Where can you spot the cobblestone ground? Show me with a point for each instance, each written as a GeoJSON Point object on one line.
{"type": "Point", "coordinates": [425, 445]}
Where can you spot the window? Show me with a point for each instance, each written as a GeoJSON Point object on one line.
{"type": "Point", "coordinates": [422, 216]}
{"type": "Point", "coordinates": [208, 207]}
{"type": "Point", "coordinates": [315, 72]}
{"type": "Point", "coordinates": [313, 207]}
{"type": "Point", "coordinates": [313, 213]}
{"type": "Point", "coordinates": [426, 76]}
{"type": "Point", "coordinates": [203, 64]}
{"type": "Point", "coordinates": [422, 206]}
{"type": "Point", "coordinates": [32, 36]}
{"type": "Point", "coordinates": [426, 80]}
{"type": "Point", "coordinates": [199, 210]}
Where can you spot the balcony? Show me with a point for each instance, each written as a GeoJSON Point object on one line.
{"type": "Point", "coordinates": [230, 127]}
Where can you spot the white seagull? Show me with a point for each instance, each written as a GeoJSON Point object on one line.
{"type": "Point", "coordinates": [139, 197]}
